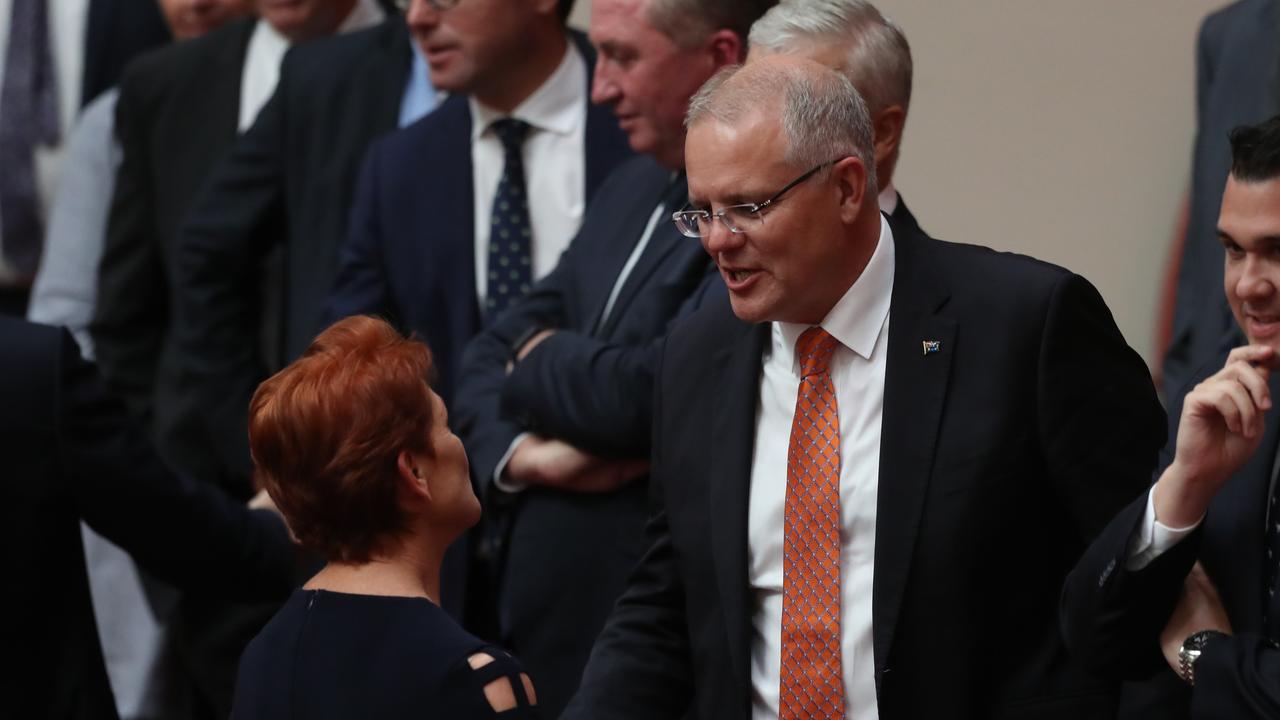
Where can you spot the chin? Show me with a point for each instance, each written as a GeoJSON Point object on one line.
{"type": "Point", "coordinates": [747, 312]}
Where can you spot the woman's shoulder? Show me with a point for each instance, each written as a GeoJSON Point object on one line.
{"type": "Point", "coordinates": [489, 681]}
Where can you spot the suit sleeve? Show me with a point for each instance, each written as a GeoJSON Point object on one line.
{"type": "Point", "coordinates": [131, 316]}
{"type": "Point", "coordinates": [1237, 678]}
{"type": "Point", "coordinates": [485, 430]}
{"type": "Point", "coordinates": [592, 393]}
{"type": "Point", "coordinates": [361, 284]}
{"type": "Point", "coordinates": [640, 666]}
{"type": "Point", "coordinates": [1102, 429]}
{"type": "Point", "coordinates": [236, 221]}
{"type": "Point", "coordinates": [188, 533]}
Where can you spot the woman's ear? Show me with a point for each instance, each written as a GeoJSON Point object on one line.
{"type": "Point", "coordinates": [412, 471]}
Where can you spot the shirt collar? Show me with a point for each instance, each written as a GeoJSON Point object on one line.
{"type": "Point", "coordinates": [556, 106]}
{"type": "Point", "coordinates": [859, 317]}
{"type": "Point", "coordinates": [364, 14]}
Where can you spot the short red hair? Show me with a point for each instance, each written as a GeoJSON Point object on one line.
{"type": "Point", "coordinates": [326, 433]}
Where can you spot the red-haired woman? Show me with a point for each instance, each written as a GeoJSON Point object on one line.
{"type": "Point", "coordinates": [353, 446]}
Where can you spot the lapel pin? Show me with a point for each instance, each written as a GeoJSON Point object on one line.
{"type": "Point", "coordinates": [932, 346]}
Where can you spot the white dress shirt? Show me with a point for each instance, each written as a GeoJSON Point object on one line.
{"type": "Point", "coordinates": [261, 70]}
{"type": "Point", "coordinates": [554, 166]}
{"type": "Point", "coordinates": [860, 321]}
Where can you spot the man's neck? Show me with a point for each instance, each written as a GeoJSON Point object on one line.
{"type": "Point", "coordinates": [524, 78]}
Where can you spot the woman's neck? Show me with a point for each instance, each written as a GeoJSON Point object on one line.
{"type": "Point", "coordinates": [402, 573]}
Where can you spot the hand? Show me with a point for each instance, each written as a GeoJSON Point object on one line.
{"type": "Point", "coordinates": [1199, 608]}
{"type": "Point", "coordinates": [557, 464]}
{"type": "Point", "coordinates": [1221, 427]}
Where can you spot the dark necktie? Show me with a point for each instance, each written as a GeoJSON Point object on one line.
{"type": "Point", "coordinates": [510, 270]}
{"type": "Point", "coordinates": [28, 117]}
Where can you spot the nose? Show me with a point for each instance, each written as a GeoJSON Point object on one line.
{"type": "Point", "coordinates": [717, 239]}
{"type": "Point", "coordinates": [1255, 283]}
{"type": "Point", "coordinates": [604, 90]}
{"type": "Point", "coordinates": [421, 16]}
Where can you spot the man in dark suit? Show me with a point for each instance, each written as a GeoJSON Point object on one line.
{"type": "Point", "coordinates": [180, 110]}
{"type": "Point", "coordinates": [71, 453]}
{"type": "Point", "coordinates": [1214, 503]}
{"type": "Point", "coordinates": [876, 459]}
{"type": "Point", "coordinates": [853, 37]}
{"type": "Point", "coordinates": [558, 441]}
{"type": "Point", "coordinates": [419, 250]}
{"type": "Point", "coordinates": [1237, 83]}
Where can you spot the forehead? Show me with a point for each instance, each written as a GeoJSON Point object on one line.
{"type": "Point", "coordinates": [1251, 211]}
{"type": "Point", "coordinates": [745, 156]}
{"type": "Point", "coordinates": [619, 21]}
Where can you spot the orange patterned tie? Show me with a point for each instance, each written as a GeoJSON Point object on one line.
{"type": "Point", "coordinates": [811, 681]}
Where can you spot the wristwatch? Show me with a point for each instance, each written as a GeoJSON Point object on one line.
{"type": "Point", "coordinates": [1190, 651]}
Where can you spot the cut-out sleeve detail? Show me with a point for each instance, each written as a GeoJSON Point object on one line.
{"type": "Point", "coordinates": [499, 684]}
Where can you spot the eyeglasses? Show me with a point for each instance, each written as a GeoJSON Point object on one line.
{"type": "Point", "coordinates": [437, 5]}
{"type": "Point", "coordinates": [737, 218]}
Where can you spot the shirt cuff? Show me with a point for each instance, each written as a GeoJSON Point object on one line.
{"type": "Point", "coordinates": [1153, 538]}
{"type": "Point", "coordinates": [505, 484]}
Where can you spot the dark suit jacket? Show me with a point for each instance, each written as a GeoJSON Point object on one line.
{"type": "Point", "coordinates": [286, 185]}
{"type": "Point", "coordinates": [1000, 459]}
{"type": "Point", "coordinates": [410, 255]}
{"type": "Point", "coordinates": [71, 453]}
{"type": "Point", "coordinates": [1237, 83]}
{"type": "Point", "coordinates": [175, 118]}
{"type": "Point", "coordinates": [1113, 617]}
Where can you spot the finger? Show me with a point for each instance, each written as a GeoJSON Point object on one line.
{"type": "Point", "coordinates": [1254, 379]}
{"type": "Point", "coordinates": [1253, 354]}
{"type": "Point", "coordinates": [1225, 405]}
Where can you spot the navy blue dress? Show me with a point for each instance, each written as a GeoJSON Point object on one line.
{"type": "Point", "coordinates": [338, 655]}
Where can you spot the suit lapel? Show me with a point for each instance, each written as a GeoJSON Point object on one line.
{"type": "Point", "coordinates": [220, 88]}
{"type": "Point", "coordinates": [444, 233]}
{"type": "Point", "coordinates": [914, 394]}
{"type": "Point", "coordinates": [733, 432]}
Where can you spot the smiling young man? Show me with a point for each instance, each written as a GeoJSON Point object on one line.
{"type": "Point", "coordinates": [876, 459]}
{"type": "Point", "coordinates": [1214, 504]}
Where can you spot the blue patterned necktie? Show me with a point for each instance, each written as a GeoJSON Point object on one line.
{"type": "Point", "coordinates": [510, 270]}
{"type": "Point", "coordinates": [28, 117]}
{"type": "Point", "coordinates": [1272, 569]}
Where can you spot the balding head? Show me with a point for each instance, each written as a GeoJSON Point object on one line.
{"type": "Point", "coordinates": [853, 37]}
{"type": "Point", "coordinates": [821, 113]}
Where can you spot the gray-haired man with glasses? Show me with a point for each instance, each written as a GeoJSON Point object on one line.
{"type": "Point", "coordinates": [874, 461]}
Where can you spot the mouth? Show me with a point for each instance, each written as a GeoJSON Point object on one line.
{"type": "Point", "coordinates": [738, 279]}
{"type": "Point", "coordinates": [1262, 326]}
{"type": "Point", "coordinates": [438, 53]}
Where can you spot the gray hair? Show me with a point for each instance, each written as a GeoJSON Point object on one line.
{"type": "Point", "coordinates": [878, 60]}
{"type": "Point", "coordinates": [823, 117]}
{"type": "Point", "coordinates": [689, 22]}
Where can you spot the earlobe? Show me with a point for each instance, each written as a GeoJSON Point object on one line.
{"type": "Point", "coordinates": [412, 474]}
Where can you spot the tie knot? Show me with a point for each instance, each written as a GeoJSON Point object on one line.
{"type": "Point", "coordinates": [511, 132]}
{"type": "Point", "coordinates": [814, 349]}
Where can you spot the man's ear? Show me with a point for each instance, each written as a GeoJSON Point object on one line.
{"type": "Point", "coordinates": [412, 475]}
{"type": "Point", "coordinates": [888, 124]}
{"type": "Point", "coordinates": [726, 48]}
{"type": "Point", "coordinates": [850, 179]}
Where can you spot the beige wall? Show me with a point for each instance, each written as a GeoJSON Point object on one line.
{"type": "Point", "coordinates": [1058, 129]}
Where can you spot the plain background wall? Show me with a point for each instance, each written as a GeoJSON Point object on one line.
{"type": "Point", "coordinates": [1061, 130]}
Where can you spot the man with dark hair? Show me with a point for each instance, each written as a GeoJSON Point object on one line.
{"type": "Point", "coordinates": [1237, 83]}
{"type": "Point", "coordinates": [554, 400]}
{"type": "Point", "coordinates": [1191, 568]}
